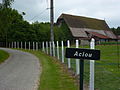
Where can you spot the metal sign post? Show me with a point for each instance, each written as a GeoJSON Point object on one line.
{"type": "Point", "coordinates": [82, 54]}
{"type": "Point", "coordinates": [81, 73]}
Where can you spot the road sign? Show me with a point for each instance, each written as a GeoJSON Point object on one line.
{"type": "Point", "coordinates": [78, 53]}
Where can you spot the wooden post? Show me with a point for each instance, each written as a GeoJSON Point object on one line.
{"type": "Point", "coordinates": [12, 44]}
{"type": "Point", "coordinates": [36, 46]}
{"type": "Point", "coordinates": [46, 47]}
{"type": "Point", "coordinates": [33, 46]}
{"type": "Point", "coordinates": [25, 45]}
{"type": "Point", "coordinates": [69, 63]}
{"type": "Point", "coordinates": [9, 44]}
{"type": "Point", "coordinates": [43, 47]}
{"type": "Point", "coordinates": [21, 45]}
{"type": "Point", "coordinates": [62, 51]}
{"type": "Point", "coordinates": [18, 45]}
{"type": "Point", "coordinates": [77, 60]}
{"type": "Point", "coordinates": [92, 46]}
{"type": "Point", "coordinates": [50, 48]}
{"type": "Point", "coordinates": [58, 57]}
{"type": "Point", "coordinates": [29, 45]}
{"type": "Point", "coordinates": [53, 49]}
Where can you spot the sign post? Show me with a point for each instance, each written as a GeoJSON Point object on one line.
{"type": "Point", "coordinates": [81, 73]}
{"type": "Point", "coordinates": [82, 54]}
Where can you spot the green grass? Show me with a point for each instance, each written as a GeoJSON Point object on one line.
{"type": "Point", "coordinates": [107, 73]}
{"type": "Point", "coordinates": [3, 56]}
{"type": "Point", "coordinates": [53, 76]}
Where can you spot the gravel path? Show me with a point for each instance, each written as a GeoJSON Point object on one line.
{"type": "Point", "coordinates": [20, 72]}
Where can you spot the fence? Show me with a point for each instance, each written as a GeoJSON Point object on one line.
{"type": "Point", "coordinates": [104, 70]}
{"type": "Point", "coordinates": [55, 49]}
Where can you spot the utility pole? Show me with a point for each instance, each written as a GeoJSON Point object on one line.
{"type": "Point", "coordinates": [51, 23]}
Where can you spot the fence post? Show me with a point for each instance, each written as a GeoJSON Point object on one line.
{"type": "Point", "coordinates": [33, 46]}
{"type": "Point", "coordinates": [50, 48]}
{"type": "Point", "coordinates": [14, 44]}
{"type": "Point", "coordinates": [69, 63]}
{"type": "Point", "coordinates": [53, 48]}
{"type": "Point", "coordinates": [9, 45]}
{"type": "Point", "coordinates": [92, 46]}
{"type": "Point", "coordinates": [18, 45]}
{"type": "Point", "coordinates": [58, 50]}
{"type": "Point", "coordinates": [43, 47]}
{"type": "Point", "coordinates": [29, 45]}
{"type": "Point", "coordinates": [36, 46]}
{"type": "Point", "coordinates": [21, 44]}
{"type": "Point", "coordinates": [77, 60]}
{"type": "Point", "coordinates": [46, 47]}
{"type": "Point", "coordinates": [62, 51]}
{"type": "Point", "coordinates": [25, 45]}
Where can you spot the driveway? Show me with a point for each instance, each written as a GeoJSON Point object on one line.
{"type": "Point", "coordinates": [21, 71]}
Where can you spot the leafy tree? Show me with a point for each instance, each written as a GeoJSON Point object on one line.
{"type": "Point", "coordinates": [116, 30]}
{"type": "Point", "coordinates": [7, 3]}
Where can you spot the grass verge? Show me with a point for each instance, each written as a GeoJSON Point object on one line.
{"type": "Point", "coordinates": [3, 56]}
{"type": "Point", "coordinates": [54, 76]}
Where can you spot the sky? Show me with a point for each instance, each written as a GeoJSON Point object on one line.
{"type": "Point", "coordinates": [38, 10]}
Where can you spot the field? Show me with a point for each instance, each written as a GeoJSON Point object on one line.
{"type": "Point", "coordinates": [107, 71]}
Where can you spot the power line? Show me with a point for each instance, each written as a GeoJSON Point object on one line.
{"type": "Point", "coordinates": [39, 14]}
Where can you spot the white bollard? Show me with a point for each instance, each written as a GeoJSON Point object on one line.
{"type": "Point", "coordinates": [77, 60]}
{"type": "Point", "coordinates": [53, 48]}
{"type": "Point", "coordinates": [33, 46]}
{"type": "Point", "coordinates": [58, 57]}
{"type": "Point", "coordinates": [62, 52]}
{"type": "Point", "coordinates": [43, 47]}
{"type": "Point", "coordinates": [50, 48]}
{"type": "Point", "coordinates": [21, 45]}
{"type": "Point", "coordinates": [92, 46]}
{"type": "Point", "coordinates": [29, 45]}
{"type": "Point", "coordinates": [69, 63]}
{"type": "Point", "coordinates": [25, 45]}
{"type": "Point", "coordinates": [46, 47]}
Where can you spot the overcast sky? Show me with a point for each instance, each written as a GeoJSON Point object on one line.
{"type": "Point", "coordinates": [102, 9]}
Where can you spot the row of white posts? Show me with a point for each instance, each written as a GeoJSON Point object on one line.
{"type": "Point", "coordinates": [47, 47]}
{"type": "Point", "coordinates": [24, 45]}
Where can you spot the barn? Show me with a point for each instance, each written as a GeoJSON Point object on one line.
{"type": "Point", "coordinates": [85, 28]}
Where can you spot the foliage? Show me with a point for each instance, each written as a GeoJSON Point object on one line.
{"type": "Point", "coordinates": [7, 3]}
{"type": "Point", "coordinates": [62, 33]}
{"type": "Point", "coordinates": [116, 30]}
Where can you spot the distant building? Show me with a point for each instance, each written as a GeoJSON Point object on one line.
{"type": "Point", "coordinates": [85, 28]}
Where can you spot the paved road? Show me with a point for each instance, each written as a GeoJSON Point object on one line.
{"type": "Point", "coordinates": [20, 72]}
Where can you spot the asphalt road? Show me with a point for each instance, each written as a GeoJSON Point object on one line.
{"type": "Point", "coordinates": [20, 72]}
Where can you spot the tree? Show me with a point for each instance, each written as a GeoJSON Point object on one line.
{"type": "Point", "coordinates": [7, 3]}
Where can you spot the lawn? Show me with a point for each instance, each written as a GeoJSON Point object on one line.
{"type": "Point", "coordinates": [3, 56]}
{"type": "Point", "coordinates": [107, 71]}
{"type": "Point", "coordinates": [54, 76]}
